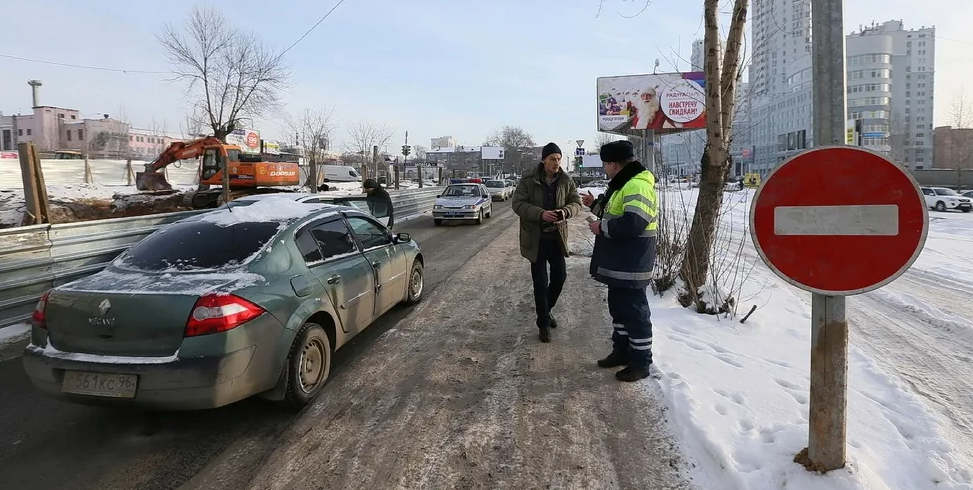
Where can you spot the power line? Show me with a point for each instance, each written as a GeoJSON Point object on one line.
{"type": "Point", "coordinates": [150, 72]}
{"type": "Point", "coordinates": [313, 27]}
{"type": "Point", "coordinates": [86, 67]}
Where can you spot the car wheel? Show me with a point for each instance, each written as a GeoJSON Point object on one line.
{"type": "Point", "coordinates": [417, 281]}
{"type": "Point", "coordinates": [308, 365]}
{"type": "Point", "coordinates": [490, 212]}
{"type": "Point", "coordinates": [940, 206]}
{"type": "Point", "coordinates": [479, 218]}
{"type": "Point", "coordinates": [967, 210]}
{"type": "Point", "coordinates": [437, 222]}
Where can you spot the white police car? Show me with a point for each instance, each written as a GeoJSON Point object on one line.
{"type": "Point", "coordinates": [463, 200]}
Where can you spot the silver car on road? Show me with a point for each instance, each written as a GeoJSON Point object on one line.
{"type": "Point", "coordinates": [467, 201]}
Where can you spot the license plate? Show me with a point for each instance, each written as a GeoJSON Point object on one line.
{"type": "Point", "coordinates": [100, 384]}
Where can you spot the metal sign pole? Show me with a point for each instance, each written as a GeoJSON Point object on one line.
{"type": "Point", "coordinates": [829, 328]}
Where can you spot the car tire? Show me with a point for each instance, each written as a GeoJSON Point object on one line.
{"type": "Point", "coordinates": [437, 222]}
{"type": "Point", "coordinates": [490, 213]}
{"type": "Point", "coordinates": [940, 206]}
{"type": "Point", "coordinates": [417, 282]}
{"type": "Point", "coordinates": [967, 210]}
{"type": "Point", "coordinates": [308, 365]}
{"type": "Point", "coordinates": [479, 218]}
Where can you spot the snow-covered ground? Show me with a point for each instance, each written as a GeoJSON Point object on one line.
{"type": "Point", "coordinates": [739, 392]}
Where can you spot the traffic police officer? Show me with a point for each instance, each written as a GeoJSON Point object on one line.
{"type": "Point", "coordinates": [624, 255]}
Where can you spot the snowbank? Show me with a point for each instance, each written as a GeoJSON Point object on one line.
{"type": "Point", "coordinates": [739, 392]}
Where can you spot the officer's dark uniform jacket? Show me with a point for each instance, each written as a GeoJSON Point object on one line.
{"type": "Point", "coordinates": [624, 252]}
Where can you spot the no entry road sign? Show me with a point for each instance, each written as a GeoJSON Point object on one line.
{"type": "Point", "coordinates": [839, 220]}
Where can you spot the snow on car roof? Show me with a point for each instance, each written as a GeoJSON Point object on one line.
{"type": "Point", "coordinates": [286, 195]}
{"type": "Point", "coordinates": [275, 208]}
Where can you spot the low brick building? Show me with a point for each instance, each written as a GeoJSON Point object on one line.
{"type": "Point", "coordinates": [952, 148]}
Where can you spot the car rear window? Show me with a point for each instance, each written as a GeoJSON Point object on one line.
{"type": "Point", "coordinates": [196, 245]}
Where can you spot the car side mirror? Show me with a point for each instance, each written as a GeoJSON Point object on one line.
{"type": "Point", "coordinates": [438, 196]}
{"type": "Point", "coordinates": [403, 238]}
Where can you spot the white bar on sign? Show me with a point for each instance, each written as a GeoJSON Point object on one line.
{"type": "Point", "coordinates": [870, 220]}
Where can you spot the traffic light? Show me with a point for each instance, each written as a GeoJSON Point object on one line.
{"type": "Point", "coordinates": [406, 149]}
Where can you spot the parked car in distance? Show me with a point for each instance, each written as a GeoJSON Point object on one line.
{"type": "Point", "coordinates": [338, 173]}
{"type": "Point", "coordinates": [967, 194]}
{"type": "Point", "coordinates": [466, 201]}
{"type": "Point", "coordinates": [378, 209]}
{"type": "Point", "coordinates": [499, 190]}
{"type": "Point", "coordinates": [221, 306]}
{"type": "Point", "coordinates": [945, 199]}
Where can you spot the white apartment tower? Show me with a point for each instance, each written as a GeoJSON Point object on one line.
{"type": "Point", "coordinates": [890, 88]}
{"type": "Point", "coordinates": [696, 58]}
{"type": "Point", "coordinates": [781, 41]}
{"type": "Point", "coordinates": [443, 142]}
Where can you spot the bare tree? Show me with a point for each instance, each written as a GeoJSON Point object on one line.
{"type": "Point", "coordinates": [313, 130]}
{"type": "Point", "coordinates": [232, 75]}
{"type": "Point", "coordinates": [365, 136]}
{"type": "Point", "coordinates": [604, 138]}
{"type": "Point", "coordinates": [516, 142]}
{"type": "Point", "coordinates": [192, 125]}
{"type": "Point", "coordinates": [722, 75]}
{"type": "Point", "coordinates": [960, 111]}
{"type": "Point", "coordinates": [419, 153]}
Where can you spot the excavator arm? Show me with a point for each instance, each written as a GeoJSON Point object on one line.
{"type": "Point", "coordinates": [152, 179]}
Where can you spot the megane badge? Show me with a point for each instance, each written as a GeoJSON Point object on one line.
{"type": "Point", "coordinates": [104, 306]}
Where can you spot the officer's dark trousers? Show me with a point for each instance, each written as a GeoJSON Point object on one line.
{"type": "Point", "coordinates": [631, 319]}
{"type": "Point", "coordinates": [547, 288]}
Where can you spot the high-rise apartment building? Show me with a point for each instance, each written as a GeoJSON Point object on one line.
{"type": "Point", "coordinates": [696, 58]}
{"type": "Point", "coordinates": [781, 34]}
{"type": "Point", "coordinates": [889, 87]}
{"type": "Point", "coordinates": [443, 142]}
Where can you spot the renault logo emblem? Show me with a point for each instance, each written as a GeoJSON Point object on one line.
{"type": "Point", "coordinates": [104, 306]}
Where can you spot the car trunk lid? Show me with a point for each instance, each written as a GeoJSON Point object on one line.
{"type": "Point", "coordinates": [128, 314]}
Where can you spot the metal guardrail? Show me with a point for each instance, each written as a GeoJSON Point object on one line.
{"type": "Point", "coordinates": [34, 259]}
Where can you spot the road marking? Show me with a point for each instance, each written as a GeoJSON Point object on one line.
{"type": "Point", "coordinates": [867, 220]}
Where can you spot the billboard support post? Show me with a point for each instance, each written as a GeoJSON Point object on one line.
{"type": "Point", "coordinates": [648, 153]}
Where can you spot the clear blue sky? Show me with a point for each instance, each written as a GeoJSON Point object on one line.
{"type": "Point", "coordinates": [434, 67]}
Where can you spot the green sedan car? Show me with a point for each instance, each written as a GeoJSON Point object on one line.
{"type": "Point", "coordinates": [218, 307]}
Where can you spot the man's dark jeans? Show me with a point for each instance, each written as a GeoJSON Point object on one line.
{"type": "Point", "coordinates": [547, 287]}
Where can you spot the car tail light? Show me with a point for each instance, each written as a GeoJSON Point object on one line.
{"type": "Point", "coordinates": [214, 313]}
{"type": "Point", "coordinates": [39, 317]}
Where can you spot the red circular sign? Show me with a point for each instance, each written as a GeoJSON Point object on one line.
{"type": "Point", "coordinates": [839, 220]}
{"type": "Point", "coordinates": [252, 139]}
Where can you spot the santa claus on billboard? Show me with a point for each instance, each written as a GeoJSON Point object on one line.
{"type": "Point", "coordinates": [650, 114]}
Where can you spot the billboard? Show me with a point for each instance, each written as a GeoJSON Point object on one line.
{"type": "Point", "coordinates": [271, 148]}
{"type": "Point", "coordinates": [664, 102]}
{"type": "Point", "coordinates": [591, 161]}
{"type": "Point", "coordinates": [247, 139]}
{"type": "Point", "coordinates": [491, 152]}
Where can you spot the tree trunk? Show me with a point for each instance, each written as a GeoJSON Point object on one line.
{"type": "Point", "coordinates": [721, 79]}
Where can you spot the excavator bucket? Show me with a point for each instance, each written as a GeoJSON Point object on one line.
{"type": "Point", "coordinates": [151, 181]}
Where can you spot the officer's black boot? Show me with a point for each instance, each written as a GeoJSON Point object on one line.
{"type": "Point", "coordinates": [617, 358]}
{"type": "Point", "coordinates": [545, 333]}
{"type": "Point", "coordinates": [553, 322]}
{"type": "Point", "coordinates": [638, 367]}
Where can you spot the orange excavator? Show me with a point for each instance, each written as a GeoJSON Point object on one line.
{"type": "Point", "coordinates": [249, 174]}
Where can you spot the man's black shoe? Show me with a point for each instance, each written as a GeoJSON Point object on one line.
{"type": "Point", "coordinates": [545, 334]}
{"type": "Point", "coordinates": [631, 374]}
{"type": "Point", "coordinates": [553, 322]}
{"type": "Point", "coordinates": [615, 359]}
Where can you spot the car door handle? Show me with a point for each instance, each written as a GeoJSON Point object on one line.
{"type": "Point", "coordinates": [376, 264]}
{"type": "Point", "coordinates": [335, 279]}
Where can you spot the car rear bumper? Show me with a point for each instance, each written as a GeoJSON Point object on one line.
{"type": "Point", "coordinates": [181, 384]}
